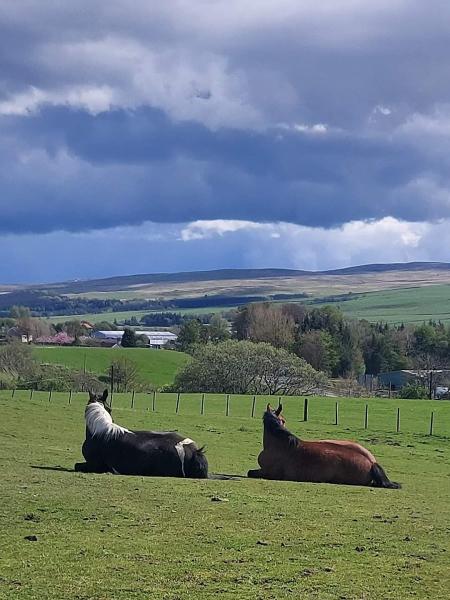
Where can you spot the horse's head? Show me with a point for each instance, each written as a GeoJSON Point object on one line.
{"type": "Point", "coordinates": [277, 413]}
{"type": "Point", "coordinates": [101, 398]}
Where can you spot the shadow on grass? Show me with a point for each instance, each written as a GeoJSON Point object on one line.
{"type": "Point", "coordinates": [55, 468]}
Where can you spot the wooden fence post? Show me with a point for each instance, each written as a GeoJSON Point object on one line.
{"type": "Point", "coordinates": [50, 396]}
{"type": "Point", "coordinates": [112, 386]}
{"type": "Point", "coordinates": [31, 394]}
{"type": "Point", "coordinates": [154, 401]}
{"type": "Point", "coordinates": [70, 396]}
{"type": "Point", "coordinates": [253, 406]}
{"type": "Point", "coordinates": [398, 419]}
{"type": "Point", "coordinates": [132, 399]}
{"type": "Point", "coordinates": [227, 412]}
{"type": "Point", "coordinates": [202, 405]}
{"type": "Point", "coordinates": [305, 409]}
{"type": "Point", "coordinates": [431, 422]}
{"type": "Point", "coordinates": [366, 417]}
{"type": "Point", "coordinates": [336, 414]}
{"type": "Point", "coordinates": [178, 403]}
{"type": "Point", "coordinates": [13, 392]}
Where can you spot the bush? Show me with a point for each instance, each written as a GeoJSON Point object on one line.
{"type": "Point", "coordinates": [7, 381]}
{"type": "Point", "coordinates": [413, 391]}
{"type": "Point", "coordinates": [242, 367]}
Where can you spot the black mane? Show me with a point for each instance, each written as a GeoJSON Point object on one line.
{"type": "Point", "coordinates": [273, 426]}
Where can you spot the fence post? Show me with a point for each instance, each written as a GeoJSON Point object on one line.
{"type": "Point", "coordinates": [336, 414]}
{"type": "Point", "coordinates": [178, 403]}
{"type": "Point", "coordinates": [366, 417]}
{"type": "Point", "coordinates": [253, 406]}
{"type": "Point", "coordinates": [13, 392]}
{"type": "Point", "coordinates": [202, 406]}
{"type": "Point", "coordinates": [398, 419]}
{"type": "Point", "coordinates": [112, 386]}
{"type": "Point", "coordinates": [154, 401]}
{"type": "Point", "coordinates": [50, 396]}
{"type": "Point", "coordinates": [31, 394]}
{"type": "Point", "coordinates": [431, 422]}
{"type": "Point", "coordinates": [70, 396]}
{"type": "Point", "coordinates": [132, 399]}
{"type": "Point", "coordinates": [227, 412]}
{"type": "Point", "coordinates": [305, 409]}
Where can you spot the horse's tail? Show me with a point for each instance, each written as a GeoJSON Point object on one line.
{"type": "Point", "coordinates": [197, 465]}
{"type": "Point", "coordinates": [380, 479]}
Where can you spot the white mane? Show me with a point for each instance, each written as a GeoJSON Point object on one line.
{"type": "Point", "coordinates": [99, 422]}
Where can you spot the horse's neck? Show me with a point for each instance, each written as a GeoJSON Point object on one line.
{"type": "Point", "coordinates": [271, 440]}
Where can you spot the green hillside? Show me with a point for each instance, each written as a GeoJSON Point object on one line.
{"type": "Point", "coordinates": [155, 366]}
{"type": "Point", "coordinates": [405, 305]}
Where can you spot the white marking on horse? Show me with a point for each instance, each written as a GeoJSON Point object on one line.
{"type": "Point", "coordinates": [181, 451]}
{"type": "Point", "coordinates": [99, 422]}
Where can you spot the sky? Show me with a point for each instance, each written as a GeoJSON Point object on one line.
{"type": "Point", "coordinates": [199, 134]}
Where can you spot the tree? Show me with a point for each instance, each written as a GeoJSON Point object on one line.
{"type": "Point", "coordinates": [126, 374]}
{"type": "Point", "coordinates": [129, 338]}
{"type": "Point", "coordinates": [218, 329]}
{"type": "Point", "coordinates": [265, 323]}
{"type": "Point", "coordinates": [192, 332]}
{"type": "Point", "coordinates": [17, 360]}
{"type": "Point", "coordinates": [244, 367]}
{"type": "Point", "coordinates": [319, 349]}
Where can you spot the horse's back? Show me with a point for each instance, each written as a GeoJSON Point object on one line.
{"type": "Point", "coordinates": [354, 446]}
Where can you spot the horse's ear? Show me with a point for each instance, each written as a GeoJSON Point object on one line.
{"type": "Point", "coordinates": [105, 395]}
{"type": "Point", "coordinates": [91, 396]}
{"type": "Point", "coordinates": [269, 408]}
{"type": "Point", "coordinates": [279, 409]}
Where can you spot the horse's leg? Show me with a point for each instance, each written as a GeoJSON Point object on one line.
{"type": "Point", "coordinates": [90, 467]}
{"type": "Point", "coordinates": [255, 474]}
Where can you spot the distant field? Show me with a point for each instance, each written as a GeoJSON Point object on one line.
{"type": "Point", "coordinates": [407, 305]}
{"type": "Point", "coordinates": [110, 316]}
{"type": "Point", "coordinates": [155, 366]}
{"type": "Point", "coordinates": [100, 537]}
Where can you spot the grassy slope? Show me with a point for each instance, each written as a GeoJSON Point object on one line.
{"type": "Point", "coordinates": [119, 316]}
{"type": "Point", "coordinates": [102, 536]}
{"type": "Point", "coordinates": [412, 305]}
{"type": "Point", "coordinates": [156, 366]}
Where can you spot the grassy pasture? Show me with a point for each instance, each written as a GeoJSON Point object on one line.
{"type": "Point", "coordinates": [407, 305]}
{"type": "Point", "coordinates": [155, 366]}
{"type": "Point", "coordinates": [110, 537]}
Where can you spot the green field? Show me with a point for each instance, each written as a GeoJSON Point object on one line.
{"type": "Point", "coordinates": [105, 537]}
{"type": "Point", "coordinates": [121, 316]}
{"type": "Point", "coordinates": [155, 366]}
{"type": "Point", "coordinates": [406, 305]}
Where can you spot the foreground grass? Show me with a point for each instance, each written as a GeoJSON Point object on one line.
{"type": "Point", "coordinates": [154, 366]}
{"type": "Point", "coordinates": [106, 537]}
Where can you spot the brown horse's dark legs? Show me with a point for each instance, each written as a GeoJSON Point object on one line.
{"type": "Point", "coordinates": [255, 473]}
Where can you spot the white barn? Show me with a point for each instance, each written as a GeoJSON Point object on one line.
{"type": "Point", "coordinates": [156, 339]}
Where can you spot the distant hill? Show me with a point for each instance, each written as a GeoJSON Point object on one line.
{"type": "Point", "coordinates": [123, 282]}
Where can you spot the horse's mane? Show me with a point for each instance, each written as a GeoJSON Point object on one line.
{"type": "Point", "coordinates": [99, 422]}
{"type": "Point", "coordinates": [273, 426]}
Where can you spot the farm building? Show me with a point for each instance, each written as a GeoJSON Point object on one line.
{"type": "Point", "coordinates": [156, 339]}
{"type": "Point", "coordinates": [436, 380]}
{"type": "Point", "coordinates": [19, 334]}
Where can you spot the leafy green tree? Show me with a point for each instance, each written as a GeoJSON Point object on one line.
{"type": "Point", "coordinates": [244, 367]}
{"type": "Point", "coordinates": [218, 330]}
{"type": "Point", "coordinates": [192, 332]}
{"type": "Point", "coordinates": [129, 338]}
{"type": "Point", "coordinates": [319, 349]}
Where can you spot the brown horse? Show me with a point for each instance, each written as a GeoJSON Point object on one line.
{"type": "Point", "coordinates": [286, 457]}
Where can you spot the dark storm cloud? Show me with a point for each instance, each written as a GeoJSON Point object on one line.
{"type": "Point", "coordinates": [124, 167]}
{"type": "Point", "coordinates": [261, 111]}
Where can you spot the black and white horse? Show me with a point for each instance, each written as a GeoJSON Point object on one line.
{"type": "Point", "coordinates": [109, 448]}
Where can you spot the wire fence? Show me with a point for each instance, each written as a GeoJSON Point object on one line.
{"type": "Point", "coordinates": [389, 415]}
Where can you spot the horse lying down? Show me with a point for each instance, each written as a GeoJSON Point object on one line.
{"type": "Point", "coordinates": [286, 457]}
{"type": "Point", "coordinates": [109, 448]}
